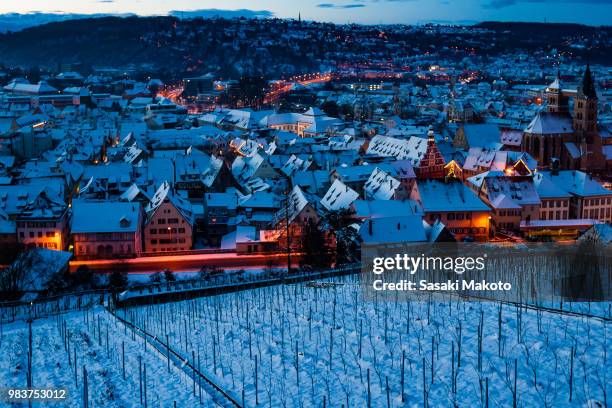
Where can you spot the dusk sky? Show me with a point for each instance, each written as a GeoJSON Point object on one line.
{"type": "Point", "coordinates": [593, 12]}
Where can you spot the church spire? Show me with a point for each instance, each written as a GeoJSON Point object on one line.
{"type": "Point", "coordinates": [586, 89]}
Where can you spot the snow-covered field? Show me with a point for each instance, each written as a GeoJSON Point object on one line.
{"type": "Point", "coordinates": [316, 343]}
{"type": "Point", "coordinates": [96, 339]}
{"type": "Point", "coordinates": [307, 345]}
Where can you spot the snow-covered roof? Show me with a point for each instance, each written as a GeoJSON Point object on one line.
{"type": "Point", "coordinates": [164, 193]}
{"type": "Point", "coordinates": [132, 193]}
{"type": "Point", "coordinates": [339, 196]}
{"type": "Point", "coordinates": [546, 188]}
{"type": "Point", "coordinates": [105, 216]}
{"type": "Point", "coordinates": [260, 199]}
{"type": "Point", "coordinates": [408, 228]}
{"type": "Point", "coordinates": [295, 164]}
{"type": "Point", "coordinates": [243, 233]}
{"type": "Point", "coordinates": [243, 168]}
{"type": "Point", "coordinates": [385, 208]}
{"type": "Point", "coordinates": [484, 159]}
{"type": "Point", "coordinates": [311, 180]}
{"type": "Point", "coordinates": [599, 233]}
{"type": "Point", "coordinates": [440, 196]}
{"type": "Point", "coordinates": [133, 153]}
{"type": "Point", "coordinates": [574, 151]}
{"type": "Point", "coordinates": [296, 201]}
{"type": "Point", "coordinates": [511, 137]}
{"type": "Point", "coordinates": [412, 149]}
{"type": "Point", "coordinates": [229, 199]}
{"type": "Point", "coordinates": [39, 88]}
{"type": "Point", "coordinates": [506, 192]}
{"type": "Point", "coordinates": [108, 171]}
{"type": "Point", "coordinates": [577, 183]}
{"type": "Point", "coordinates": [434, 230]}
{"type": "Point", "coordinates": [482, 135]}
{"type": "Point", "coordinates": [317, 120]}
{"type": "Point", "coordinates": [6, 225]}
{"type": "Point", "coordinates": [380, 185]}
{"type": "Point", "coordinates": [546, 123]}
{"type": "Point", "coordinates": [32, 200]}
{"type": "Point", "coordinates": [241, 118]}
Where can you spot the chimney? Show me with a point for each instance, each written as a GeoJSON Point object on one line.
{"type": "Point", "coordinates": [554, 166]}
{"type": "Point", "coordinates": [370, 226]}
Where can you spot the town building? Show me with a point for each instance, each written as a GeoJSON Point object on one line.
{"type": "Point", "coordinates": [588, 198]}
{"type": "Point", "coordinates": [106, 230]}
{"type": "Point", "coordinates": [575, 140]}
{"type": "Point", "coordinates": [454, 205]}
{"type": "Point", "coordinates": [512, 198]}
{"type": "Point", "coordinates": [431, 165]}
{"type": "Point", "coordinates": [311, 123]}
{"type": "Point", "coordinates": [169, 222]}
{"type": "Point", "coordinates": [40, 214]}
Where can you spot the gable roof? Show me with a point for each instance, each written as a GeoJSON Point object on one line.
{"type": "Point", "coordinates": [546, 123]}
{"type": "Point", "coordinates": [408, 228]}
{"type": "Point", "coordinates": [577, 183]}
{"type": "Point", "coordinates": [310, 180]}
{"type": "Point", "coordinates": [132, 193]}
{"type": "Point", "coordinates": [297, 200]}
{"type": "Point", "coordinates": [380, 185]}
{"type": "Point", "coordinates": [482, 135]}
{"type": "Point", "coordinates": [546, 188]}
{"type": "Point", "coordinates": [440, 196]}
{"type": "Point", "coordinates": [506, 192]}
{"type": "Point", "coordinates": [162, 194]}
{"type": "Point", "coordinates": [105, 216]}
{"type": "Point", "coordinates": [31, 200]}
{"type": "Point", "coordinates": [294, 164]}
{"type": "Point", "coordinates": [243, 168]}
{"type": "Point", "coordinates": [412, 149]}
{"type": "Point", "coordinates": [386, 208]}
{"type": "Point", "coordinates": [339, 196]}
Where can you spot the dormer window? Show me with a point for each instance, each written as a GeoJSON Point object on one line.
{"type": "Point", "coordinates": [124, 222]}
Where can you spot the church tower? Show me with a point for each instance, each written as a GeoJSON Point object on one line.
{"type": "Point", "coordinates": [432, 163]}
{"type": "Point", "coordinates": [556, 101]}
{"type": "Point", "coordinates": [586, 135]}
{"type": "Point", "coordinates": [585, 105]}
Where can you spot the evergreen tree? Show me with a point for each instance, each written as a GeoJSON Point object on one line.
{"type": "Point", "coordinates": [169, 276]}
{"type": "Point", "coordinates": [314, 247]}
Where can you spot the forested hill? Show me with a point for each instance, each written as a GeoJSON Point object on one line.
{"type": "Point", "coordinates": [104, 41]}
{"type": "Point", "coordinates": [274, 46]}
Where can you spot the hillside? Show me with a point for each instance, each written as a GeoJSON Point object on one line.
{"type": "Point", "coordinates": [107, 40]}
{"type": "Point", "coordinates": [273, 47]}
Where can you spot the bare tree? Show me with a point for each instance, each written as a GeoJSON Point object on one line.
{"type": "Point", "coordinates": [13, 277]}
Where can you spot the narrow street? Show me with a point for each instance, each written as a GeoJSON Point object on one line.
{"type": "Point", "coordinates": [187, 263]}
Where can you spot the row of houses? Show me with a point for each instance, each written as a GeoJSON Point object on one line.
{"type": "Point", "coordinates": [109, 184]}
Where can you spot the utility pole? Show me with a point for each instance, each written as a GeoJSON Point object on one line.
{"type": "Point", "coordinates": [288, 233]}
